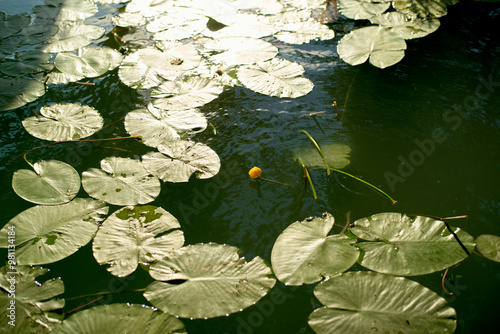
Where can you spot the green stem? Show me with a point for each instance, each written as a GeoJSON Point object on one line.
{"type": "Point", "coordinates": [318, 148]}
{"type": "Point", "coordinates": [308, 177]}
{"type": "Point", "coordinates": [285, 184]}
{"type": "Point", "coordinates": [29, 163]}
{"type": "Point", "coordinates": [213, 128]}
{"type": "Point", "coordinates": [367, 184]}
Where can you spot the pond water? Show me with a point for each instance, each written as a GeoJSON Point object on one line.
{"type": "Point", "coordinates": [425, 130]}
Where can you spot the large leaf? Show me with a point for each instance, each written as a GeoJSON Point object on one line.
{"type": "Point", "coordinates": [67, 121]}
{"type": "Point", "coordinates": [157, 125]}
{"type": "Point", "coordinates": [65, 10]}
{"type": "Point", "coordinates": [133, 235]}
{"type": "Point", "coordinates": [215, 281]}
{"type": "Point", "coordinates": [34, 302]}
{"type": "Point", "coordinates": [362, 9]}
{"type": "Point", "coordinates": [406, 26]}
{"type": "Point", "coordinates": [399, 245]}
{"type": "Point", "coordinates": [91, 62]}
{"type": "Point", "coordinates": [51, 182]}
{"type": "Point", "coordinates": [120, 318]}
{"type": "Point", "coordinates": [304, 253]}
{"type": "Point", "coordinates": [186, 94]}
{"type": "Point", "coordinates": [71, 36]}
{"type": "Point", "coordinates": [367, 302]}
{"type": "Point", "coordinates": [276, 77]}
{"type": "Point", "coordinates": [46, 234]}
{"type": "Point", "coordinates": [148, 67]}
{"type": "Point", "coordinates": [383, 46]}
{"type": "Point", "coordinates": [15, 93]}
{"type": "Point", "coordinates": [489, 246]}
{"type": "Point", "coordinates": [178, 160]}
{"type": "Point", "coordinates": [304, 32]}
{"type": "Point", "coordinates": [121, 181]}
{"type": "Point", "coordinates": [241, 50]}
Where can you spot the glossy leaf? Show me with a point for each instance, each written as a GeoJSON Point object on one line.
{"type": "Point", "coordinates": [422, 8]}
{"type": "Point", "coordinates": [71, 36]}
{"type": "Point", "coordinates": [304, 32]}
{"type": "Point", "coordinates": [362, 9]}
{"type": "Point", "coordinates": [406, 26]}
{"type": "Point", "coordinates": [15, 93]}
{"type": "Point", "coordinates": [92, 62]}
{"type": "Point", "coordinates": [240, 50]}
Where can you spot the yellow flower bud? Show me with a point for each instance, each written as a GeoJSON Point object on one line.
{"type": "Point", "coordinates": [255, 172]}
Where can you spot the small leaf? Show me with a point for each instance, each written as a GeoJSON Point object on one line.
{"type": "Point", "coordinates": [489, 246]}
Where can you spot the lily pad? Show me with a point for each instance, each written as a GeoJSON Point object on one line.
{"type": "Point", "coordinates": [304, 253]}
{"type": "Point", "coordinates": [489, 246]}
{"type": "Point", "coordinates": [12, 24]}
{"type": "Point", "coordinates": [422, 8]}
{"type": "Point", "coordinates": [362, 9]}
{"type": "Point", "coordinates": [367, 302]}
{"type": "Point", "coordinates": [406, 26]}
{"type": "Point", "coordinates": [46, 234]}
{"type": "Point", "coordinates": [62, 10]}
{"type": "Point", "coordinates": [275, 77]}
{"type": "Point", "coordinates": [26, 63]}
{"type": "Point", "coordinates": [215, 281]}
{"type": "Point", "coordinates": [121, 181]}
{"type": "Point", "coordinates": [92, 62]}
{"type": "Point", "coordinates": [133, 235]}
{"type": "Point", "coordinates": [71, 36]}
{"type": "Point", "coordinates": [52, 182]}
{"type": "Point", "coordinates": [240, 50]}
{"type": "Point", "coordinates": [304, 32]}
{"type": "Point", "coordinates": [191, 93]}
{"type": "Point", "coordinates": [336, 155]}
{"type": "Point", "coordinates": [399, 245]}
{"type": "Point", "coordinates": [157, 125]}
{"type": "Point", "coordinates": [178, 160]}
{"type": "Point", "coordinates": [15, 93]}
{"type": "Point", "coordinates": [35, 303]}
{"type": "Point", "coordinates": [383, 46]}
{"type": "Point", "coordinates": [68, 121]}
{"type": "Point", "coordinates": [120, 318]}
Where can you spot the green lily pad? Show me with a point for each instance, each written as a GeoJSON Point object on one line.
{"type": "Point", "coordinates": [15, 93]}
{"type": "Point", "coordinates": [136, 234]}
{"type": "Point", "coordinates": [406, 26]}
{"type": "Point", "coordinates": [72, 35]}
{"type": "Point", "coordinates": [275, 77]}
{"type": "Point", "coordinates": [52, 182]}
{"type": "Point", "coordinates": [186, 94]}
{"type": "Point", "coordinates": [304, 32]}
{"type": "Point", "coordinates": [26, 63]}
{"type": "Point", "coordinates": [178, 160]}
{"type": "Point", "coordinates": [120, 318]}
{"type": "Point", "coordinates": [240, 50]}
{"type": "Point", "coordinates": [62, 10]}
{"type": "Point", "coordinates": [35, 303]}
{"type": "Point", "coordinates": [383, 46]}
{"type": "Point", "coordinates": [121, 181]}
{"type": "Point", "coordinates": [422, 8]}
{"type": "Point", "coordinates": [46, 234]}
{"type": "Point", "coordinates": [336, 155]}
{"type": "Point", "coordinates": [12, 24]}
{"type": "Point", "coordinates": [92, 62]}
{"type": "Point", "coordinates": [367, 302]}
{"type": "Point", "coordinates": [399, 245]}
{"type": "Point", "coordinates": [489, 246]}
{"type": "Point", "coordinates": [304, 253]}
{"type": "Point", "coordinates": [362, 9]}
{"type": "Point", "coordinates": [215, 281]}
{"type": "Point", "coordinates": [157, 126]}
{"type": "Point", "coordinates": [68, 121]}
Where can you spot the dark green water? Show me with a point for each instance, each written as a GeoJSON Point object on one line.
{"type": "Point", "coordinates": [438, 110]}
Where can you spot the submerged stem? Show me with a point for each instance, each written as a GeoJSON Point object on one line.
{"type": "Point", "coordinates": [308, 177]}
{"type": "Point", "coordinates": [318, 148]}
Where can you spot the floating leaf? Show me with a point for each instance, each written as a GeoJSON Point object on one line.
{"type": "Point", "coordinates": [367, 302]}
{"type": "Point", "coordinates": [26, 63]}
{"type": "Point", "coordinates": [34, 302]}
{"type": "Point", "coordinates": [215, 281]}
{"type": "Point", "coordinates": [178, 23]}
{"type": "Point", "coordinates": [12, 24]}
{"type": "Point", "coordinates": [71, 36]}
{"type": "Point", "coordinates": [133, 235]}
{"type": "Point", "coordinates": [121, 181]}
{"type": "Point", "coordinates": [304, 32]}
{"type": "Point", "coordinates": [127, 19]}
{"type": "Point", "coordinates": [157, 126]}
{"type": "Point", "coordinates": [422, 8]}
{"type": "Point", "coordinates": [68, 121]}
{"type": "Point", "coordinates": [178, 160]}
{"type": "Point", "coordinates": [52, 182]}
{"type": "Point", "coordinates": [191, 93]}
{"type": "Point", "coordinates": [148, 67]}
{"type": "Point", "coordinates": [120, 318]}
{"type": "Point", "coordinates": [399, 245]}
{"type": "Point", "coordinates": [15, 93]}
{"type": "Point", "coordinates": [243, 25]}
{"type": "Point", "coordinates": [46, 234]}
{"type": "Point", "coordinates": [62, 10]}
{"type": "Point", "coordinates": [304, 253]}
{"type": "Point", "coordinates": [362, 9]}
{"type": "Point", "coordinates": [241, 50]}
{"type": "Point", "coordinates": [336, 155]}
{"type": "Point", "coordinates": [383, 46]}
{"type": "Point", "coordinates": [489, 246]}
{"type": "Point", "coordinates": [406, 26]}
{"type": "Point", "coordinates": [275, 77]}
{"type": "Point", "coordinates": [92, 62]}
